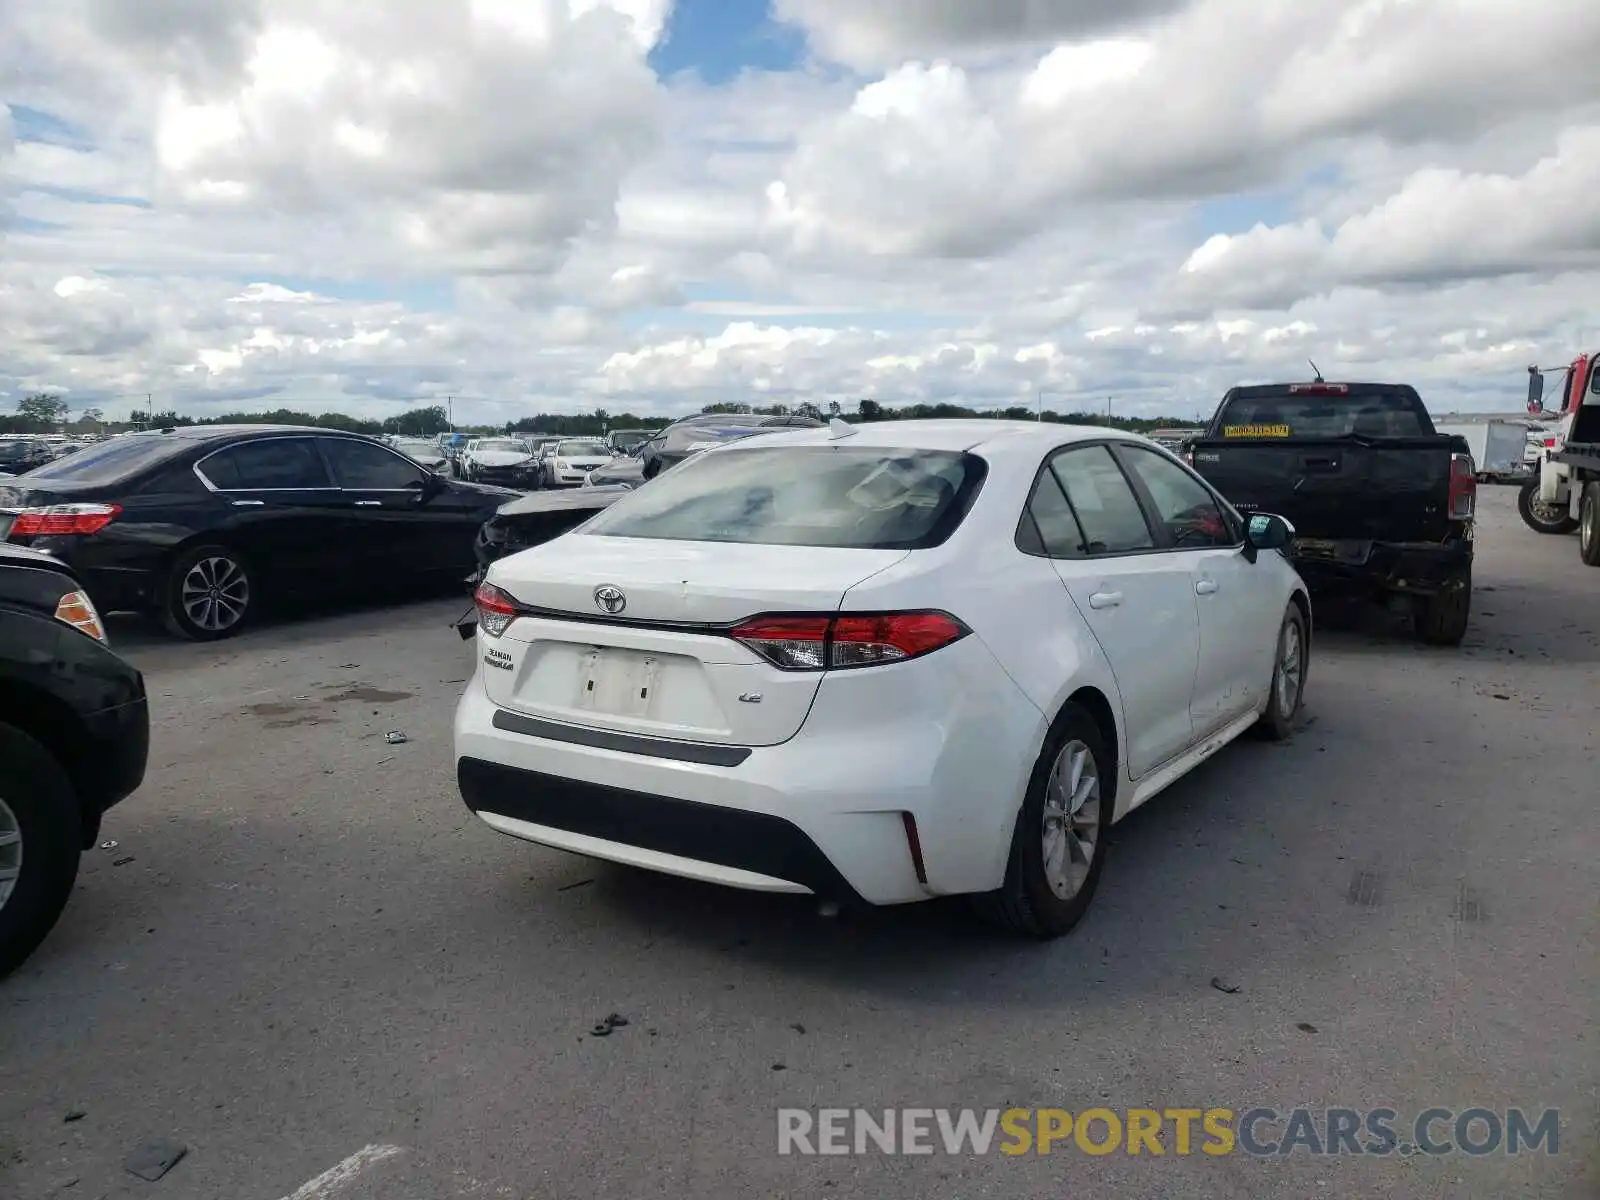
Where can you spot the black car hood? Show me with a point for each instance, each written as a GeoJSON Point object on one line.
{"type": "Point", "coordinates": [483, 489]}
{"type": "Point", "coordinates": [538, 502]}
{"type": "Point", "coordinates": [12, 555]}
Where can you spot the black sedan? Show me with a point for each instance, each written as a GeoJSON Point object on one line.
{"type": "Point", "coordinates": [691, 435]}
{"type": "Point", "coordinates": [538, 517]}
{"type": "Point", "coordinates": [74, 740]}
{"type": "Point", "coordinates": [22, 454]}
{"type": "Point", "coordinates": [199, 525]}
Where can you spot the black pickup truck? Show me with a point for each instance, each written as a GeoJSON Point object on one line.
{"type": "Point", "coordinates": [1382, 505]}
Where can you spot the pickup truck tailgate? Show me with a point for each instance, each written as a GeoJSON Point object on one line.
{"type": "Point", "coordinates": [1393, 489]}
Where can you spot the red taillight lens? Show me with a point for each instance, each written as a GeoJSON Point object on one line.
{"type": "Point", "coordinates": [836, 643]}
{"type": "Point", "coordinates": [1549, 443]}
{"type": "Point", "coordinates": [496, 609]}
{"type": "Point", "coordinates": [64, 520]}
{"type": "Point", "coordinates": [1463, 488]}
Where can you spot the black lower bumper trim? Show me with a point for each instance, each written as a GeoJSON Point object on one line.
{"type": "Point", "coordinates": [1390, 568]}
{"type": "Point", "coordinates": [710, 833]}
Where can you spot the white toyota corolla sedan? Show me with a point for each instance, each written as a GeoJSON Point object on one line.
{"type": "Point", "coordinates": [881, 663]}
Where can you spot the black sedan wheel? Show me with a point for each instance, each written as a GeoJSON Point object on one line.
{"type": "Point", "coordinates": [40, 842]}
{"type": "Point", "coordinates": [209, 594]}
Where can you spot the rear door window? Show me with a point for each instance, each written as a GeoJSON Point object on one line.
{"type": "Point", "coordinates": [1103, 501]}
{"type": "Point", "coordinates": [369, 467]}
{"type": "Point", "coordinates": [272, 464]}
{"type": "Point", "coordinates": [859, 497]}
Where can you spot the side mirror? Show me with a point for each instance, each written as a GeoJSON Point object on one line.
{"type": "Point", "coordinates": [1535, 390]}
{"type": "Point", "coordinates": [427, 487]}
{"type": "Point", "coordinates": [1266, 531]}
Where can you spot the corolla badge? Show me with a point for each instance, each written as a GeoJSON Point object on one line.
{"type": "Point", "coordinates": [610, 599]}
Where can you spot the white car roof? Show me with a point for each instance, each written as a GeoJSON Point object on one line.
{"type": "Point", "coordinates": [988, 437]}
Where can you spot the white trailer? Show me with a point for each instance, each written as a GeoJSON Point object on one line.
{"type": "Point", "coordinates": [1498, 448]}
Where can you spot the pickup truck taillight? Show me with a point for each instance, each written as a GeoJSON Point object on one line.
{"type": "Point", "coordinates": [1463, 487]}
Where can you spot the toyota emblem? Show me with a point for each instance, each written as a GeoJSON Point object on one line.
{"type": "Point", "coordinates": [610, 599]}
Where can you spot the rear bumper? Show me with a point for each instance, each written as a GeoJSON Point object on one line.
{"type": "Point", "coordinates": [114, 586]}
{"type": "Point", "coordinates": [120, 738]}
{"type": "Point", "coordinates": [1395, 567]}
{"type": "Point", "coordinates": [821, 813]}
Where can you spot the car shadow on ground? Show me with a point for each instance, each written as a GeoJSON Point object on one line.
{"type": "Point", "coordinates": [1194, 891]}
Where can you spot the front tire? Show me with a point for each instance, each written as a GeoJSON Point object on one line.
{"type": "Point", "coordinates": [1058, 847]}
{"type": "Point", "coordinates": [1440, 619]}
{"type": "Point", "coordinates": [1540, 517]}
{"type": "Point", "coordinates": [1291, 660]}
{"type": "Point", "coordinates": [1589, 525]}
{"type": "Point", "coordinates": [209, 594]}
{"type": "Point", "coordinates": [41, 833]}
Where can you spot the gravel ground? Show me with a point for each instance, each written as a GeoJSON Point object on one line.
{"type": "Point", "coordinates": [309, 948]}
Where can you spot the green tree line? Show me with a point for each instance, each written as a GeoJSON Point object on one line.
{"type": "Point", "coordinates": [42, 412]}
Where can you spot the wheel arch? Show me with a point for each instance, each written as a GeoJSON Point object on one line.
{"type": "Point", "coordinates": [1300, 600]}
{"type": "Point", "coordinates": [1098, 705]}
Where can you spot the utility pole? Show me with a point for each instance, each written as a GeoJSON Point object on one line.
{"type": "Point", "coordinates": [1108, 408]}
{"type": "Point", "coordinates": [1039, 416]}
{"type": "Point", "coordinates": [450, 412]}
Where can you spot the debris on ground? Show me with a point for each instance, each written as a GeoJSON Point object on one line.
{"type": "Point", "coordinates": [1306, 1027]}
{"type": "Point", "coordinates": [567, 887]}
{"type": "Point", "coordinates": [604, 1028]}
{"type": "Point", "coordinates": [394, 737]}
{"type": "Point", "coordinates": [108, 844]}
{"type": "Point", "coordinates": [616, 1020]}
{"type": "Point", "coordinates": [1227, 988]}
{"type": "Point", "coordinates": [797, 1027]}
{"type": "Point", "coordinates": [122, 862]}
{"type": "Point", "coordinates": [154, 1159]}
{"type": "Point", "coordinates": [75, 1114]}
{"type": "Point", "coordinates": [779, 1067]}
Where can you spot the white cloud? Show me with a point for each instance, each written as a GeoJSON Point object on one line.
{"type": "Point", "coordinates": [375, 204]}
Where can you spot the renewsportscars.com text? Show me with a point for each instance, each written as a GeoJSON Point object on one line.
{"type": "Point", "coordinates": [1259, 1132]}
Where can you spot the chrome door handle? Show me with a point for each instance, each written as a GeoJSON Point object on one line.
{"type": "Point", "coordinates": [248, 503]}
{"type": "Point", "coordinates": [369, 503]}
{"type": "Point", "coordinates": [1105, 599]}
{"type": "Point", "coordinates": [1205, 587]}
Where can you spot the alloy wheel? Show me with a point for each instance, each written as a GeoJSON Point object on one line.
{"type": "Point", "coordinates": [10, 852]}
{"type": "Point", "coordinates": [1071, 819]}
{"type": "Point", "coordinates": [215, 593]}
{"type": "Point", "coordinates": [1286, 679]}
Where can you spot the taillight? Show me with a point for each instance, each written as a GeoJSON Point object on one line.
{"type": "Point", "coordinates": [1319, 389]}
{"type": "Point", "coordinates": [77, 610]}
{"type": "Point", "coordinates": [1463, 487]}
{"type": "Point", "coordinates": [496, 609]}
{"type": "Point", "coordinates": [838, 643]}
{"type": "Point", "coordinates": [64, 520]}
{"type": "Point", "coordinates": [1549, 443]}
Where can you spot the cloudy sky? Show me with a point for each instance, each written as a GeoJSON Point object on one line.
{"type": "Point", "coordinates": [654, 205]}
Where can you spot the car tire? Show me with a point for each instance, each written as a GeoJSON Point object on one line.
{"type": "Point", "coordinates": [41, 822]}
{"type": "Point", "coordinates": [191, 570]}
{"type": "Point", "coordinates": [1541, 518]}
{"type": "Point", "coordinates": [1440, 619]}
{"type": "Point", "coordinates": [1589, 524]}
{"type": "Point", "coordinates": [1038, 899]}
{"type": "Point", "coordinates": [1291, 662]}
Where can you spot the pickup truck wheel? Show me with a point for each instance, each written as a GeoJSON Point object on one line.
{"type": "Point", "coordinates": [40, 839]}
{"type": "Point", "coordinates": [1289, 663]}
{"type": "Point", "coordinates": [1540, 516]}
{"type": "Point", "coordinates": [1441, 619]}
{"type": "Point", "coordinates": [1589, 524]}
{"type": "Point", "coordinates": [1058, 844]}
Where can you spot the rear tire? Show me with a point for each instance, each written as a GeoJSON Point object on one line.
{"type": "Point", "coordinates": [1440, 619]}
{"type": "Point", "coordinates": [1542, 518]}
{"type": "Point", "coordinates": [1589, 525]}
{"type": "Point", "coordinates": [42, 830]}
{"type": "Point", "coordinates": [224, 578]}
{"type": "Point", "coordinates": [1291, 659]}
{"type": "Point", "coordinates": [1063, 820]}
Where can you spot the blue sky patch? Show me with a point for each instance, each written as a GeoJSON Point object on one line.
{"type": "Point", "coordinates": [718, 39]}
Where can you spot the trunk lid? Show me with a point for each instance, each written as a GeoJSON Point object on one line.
{"type": "Point", "coordinates": [16, 494]}
{"type": "Point", "coordinates": [662, 665]}
{"type": "Point", "coordinates": [1389, 489]}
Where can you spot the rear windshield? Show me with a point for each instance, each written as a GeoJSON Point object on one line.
{"type": "Point", "coordinates": [857, 498]}
{"type": "Point", "coordinates": [107, 461]}
{"type": "Point", "coordinates": [1378, 414]}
